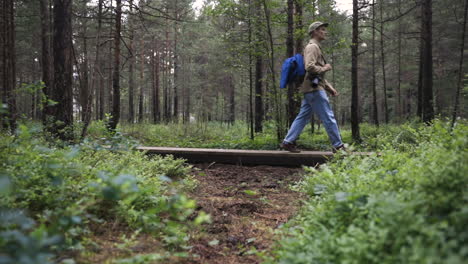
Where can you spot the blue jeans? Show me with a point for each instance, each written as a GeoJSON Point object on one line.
{"type": "Point", "coordinates": [315, 102]}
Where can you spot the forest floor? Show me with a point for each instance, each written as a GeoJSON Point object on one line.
{"type": "Point", "coordinates": [246, 205]}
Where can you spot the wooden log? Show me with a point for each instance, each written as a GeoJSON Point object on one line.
{"type": "Point", "coordinates": [243, 157]}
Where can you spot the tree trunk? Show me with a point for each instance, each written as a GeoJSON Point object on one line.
{"type": "Point", "coordinates": [426, 69]}
{"type": "Point", "coordinates": [420, 74]}
{"type": "Point", "coordinates": [290, 29]}
{"type": "Point", "coordinates": [382, 47]}
{"type": "Point", "coordinates": [155, 74]}
{"type": "Point", "coordinates": [131, 69]}
{"type": "Point", "coordinates": [398, 103]}
{"type": "Point", "coordinates": [460, 67]}
{"type": "Point", "coordinates": [110, 72]}
{"type": "Point", "coordinates": [167, 108]}
{"type": "Point", "coordinates": [176, 67]}
{"type": "Point", "coordinates": [96, 72]}
{"type": "Point", "coordinates": [375, 111]}
{"type": "Point", "coordinates": [298, 7]}
{"type": "Point", "coordinates": [354, 76]}
{"type": "Point", "coordinates": [8, 63]}
{"type": "Point", "coordinates": [99, 67]}
{"type": "Point", "coordinates": [258, 74]}
{"type": "Point", "coordinates": [186, 89]}
{"type": "Point", "coordinates": [290, 53]}
{"type": "Point", "coordinates": [46, 58]}
{"type": "Point", "coordinates": [114, 120]}
{"type": "Point", "coordinates": [251, 115]}
{"type": "Point", "coordinates": [84, 91]}
{"type": "Point", "coordinates": [278, 113]}
{"type": "Point", "coordinates": [298, 48]}
{"type": "Point", "coordinates": [60, 114]}
{"type": "Point", "coordinates": [232, 101]}
{"type": "Point", "coordinates": [142, 81]}
{"type": "Point", "coordinates": [258, 94]}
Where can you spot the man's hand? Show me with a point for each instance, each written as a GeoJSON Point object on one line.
{"type": "Point", "coordinates": [327, 67]}
{"type": "Point", "coordinates": [332, 91]}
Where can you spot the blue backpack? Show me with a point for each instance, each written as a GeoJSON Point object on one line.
{"type": "Point", "coordinates": [292, 68]}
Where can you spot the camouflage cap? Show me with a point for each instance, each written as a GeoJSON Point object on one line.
{"type": "Point", "coordinates": [316, 25]}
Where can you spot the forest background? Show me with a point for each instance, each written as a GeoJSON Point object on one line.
{"type": "Point", "coordinates": [85, 82]}
{"type": "Point", "coordinates": [169, 62]}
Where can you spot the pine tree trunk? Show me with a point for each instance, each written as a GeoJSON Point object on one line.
{"type": "Point", "coordinates": [167, 108]}
{"type": "Point", "coordinates": [298, 18]}
{"type": "Point", "coordinates": [420, 74]}
{"type": "Point", "coordinates": [232, 101]}
{"type": "Point", "coordinates": [60, 118]}
{"type": "Point", "coordinates": [290, 53]}
{"type": "Point", "coordinates": [131, 69]}
{"type": "Point", "coordinates": [399, 103]}
{"type": "Point", "coordinates": [258, 94]}
{"type": "Point", "coordinates": [186, 89]}
{"type": "Point", "coordinates": [8, 63]}
{"type": "Point", "coordinates": [46, 58]}
{"type": "Point", "coordinates": [176, 67]}
{"type": "Point", "coordinates": [99, 67]}
{"type": "Point", "coordinates": [298, 13]}
{"type": "Point", "coordinates": [460, 67]}
{"type": "Point", "coordinates": [95, 72]}
{"type": "Point", "coordinates": [375, 111]}
{"type": "Point", "coordinates": [142, 82]}
{"type": "Point", "coordinates": [84, 91]}
{"type": "Point", "coordinates": [251, 114]}
{"type": "Point", "coordinates": [258, 75]}
{"type": "Point", "coordinates": [382, 50]}
{"type": "Point", "coordinates": [354, 76]}
{"type": "Point", "coordinates": [110, 75]}
{"type": "Point", "coordinates": [114, 120]}
{"type": "Point", "coordinates": [427, 68]}
{"type": "Point", "coordinates": [155, 81]}
{"type": "Point", "coordinates": [278, 113]}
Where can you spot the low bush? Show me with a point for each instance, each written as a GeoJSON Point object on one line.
{"type": "Point", "coordinates": [51, 193]}
{"type": "Point", "coordinates": [407, 205]}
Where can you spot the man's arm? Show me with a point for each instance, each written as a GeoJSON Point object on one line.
{"type": "Point", "coordinates": [329, 88]}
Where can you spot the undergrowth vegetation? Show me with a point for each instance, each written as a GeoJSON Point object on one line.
{"type": "Point", "coordinates": [52, 198]}
{"type": "Point", "coordinates": [237, 136]}
{"type": "Point", "coordinates": [220, 135]}
{"type": "Point", "coordinates": [406, 204]}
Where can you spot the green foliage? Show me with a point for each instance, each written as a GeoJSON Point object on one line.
{"type": "Point", "coordinates": [66, 187]}
{"type": "Point", "coordinates": [407, 205]}
{"type": "Point", "coordinates": [220, 135]}
{"type": "Point", "coordinates": [237, 136]}
{"type": "Point", "coordinates": [22, 242]}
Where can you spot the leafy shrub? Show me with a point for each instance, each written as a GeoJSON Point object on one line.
{"type": "Point", "coordinates": [22, 242]}
{"type": "Point", "coordinates": [219, 135]}
{"type": "Point", "coordinates": [65, 188]}
{"type": "Point", "coordinates": [401, 207]}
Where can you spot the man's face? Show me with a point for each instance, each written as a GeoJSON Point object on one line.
{"type": "Point", "coordinates": [321, 33]}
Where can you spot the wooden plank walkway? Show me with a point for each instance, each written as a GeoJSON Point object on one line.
{"type": "Point", "coordinates": [243, 157]}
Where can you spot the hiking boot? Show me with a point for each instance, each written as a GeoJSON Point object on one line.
{"type": "Point", "coordinates": [342, 147]}
{"type": "Point", "coordinates": [289, 147]}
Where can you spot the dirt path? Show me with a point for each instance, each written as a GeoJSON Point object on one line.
{"type": "Point", "coordinates": [246, 204]}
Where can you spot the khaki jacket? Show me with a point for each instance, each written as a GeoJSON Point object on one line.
{"type": "Point", "coordinates": [314, 63]}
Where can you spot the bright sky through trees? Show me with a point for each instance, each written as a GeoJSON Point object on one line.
{"type": "Point", "coordinates": [343, 5]}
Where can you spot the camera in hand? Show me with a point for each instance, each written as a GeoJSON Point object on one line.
{"type": "Point", "coordinates": [315, 81]}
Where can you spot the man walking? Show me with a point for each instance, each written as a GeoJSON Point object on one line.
{"type": "Point", "coordinates": [314, 89]}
